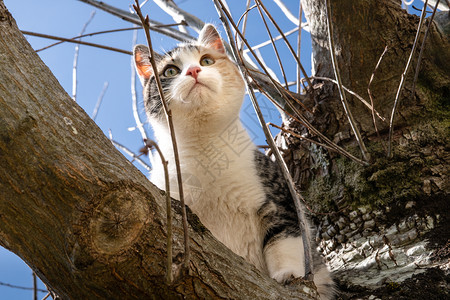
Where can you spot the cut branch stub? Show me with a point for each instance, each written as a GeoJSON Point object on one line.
{"type": "Point", "coordinates": [110, 224]}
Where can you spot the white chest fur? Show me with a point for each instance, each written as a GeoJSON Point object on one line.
{"type": "Point", "coordinates": [220, 184]}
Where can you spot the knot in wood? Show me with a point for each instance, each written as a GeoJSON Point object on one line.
{"type": "Point", "coordinates": [118, 221]}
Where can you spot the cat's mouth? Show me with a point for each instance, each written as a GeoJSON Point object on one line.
{"type": "Point", "coordinates": [198, 85]}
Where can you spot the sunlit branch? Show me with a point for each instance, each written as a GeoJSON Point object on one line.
{"type": "Point", "coordinates": [180, 15]}
{"type": "Point", "coordinates": [287, 12]}
{"type": "Point", "coordinates": [75, 59]}
{"type": "Point", "coordinates": [99, 100]}
{"type": "Point", "coordinates": [132, 18]}
{"type": "Point", "coordinates": [130, 153]}
{"type": "Point", "coordinates": [134, 98]}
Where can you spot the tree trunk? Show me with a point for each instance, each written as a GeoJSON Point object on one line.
{"type": "Point", "coordinates": [388, 221]}
{"type": "Point", "coordinates": [83, 218]}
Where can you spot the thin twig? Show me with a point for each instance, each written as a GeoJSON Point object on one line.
{"type": "Point", "coordinates": [134, 101]}
{"type": "Point", "coordinates": [364, 101]}
{"type": "Point", "coordinates": [288, 13]}
{"type": "Point", "coordinates": [351, 120]}
{"type": "Point", "coordinates": [371, 98]}
{"type": "Point", "coordinates": [277, 38]}
{"type": "Point", "coordinates": [419, 60]}
{"type": "Point", "coordinates": [256, 81]}
{"type": "Point", "coordinates": [85, 35]}
{"type": "Point", "coordinates": [35, 287]}
{"type": "Point", "coordinates": [46, 296]}
{"type": "Point", "coordinates": [151, 144]}
{"type": "Point", "coordinates": [75, 59]}
{"type": "Point", "coordinates": [129, 152]}
{"type": "Point", "coordinates": [402, 80]}
{"type": "Point", "coordinates": [52, 37]}
{"type": "Point", "coordinates": [21, 287]}
{"type": "Point", "coordinates": [286, 41]}
{"type": "Point", "coordinates": [168, 113]}
{"type": "Point", "coordinates": [299, 42]}
{"type": "Point", "coordinates": [299, 136]}
{"type": "Point", "coordinates": [99, 100]}
{"type": "Point", "coordinates": [302, 120]}
{"type": "Point", "coordinates": [280, 64]}
{"type": "Point", "coordinates": [106, 31]}
{"type": "Point", "coordinates": [244, 23]}
{"type": "Point", "coordinates": [224, 15]}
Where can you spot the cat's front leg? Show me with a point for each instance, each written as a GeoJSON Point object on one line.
{"type": "Point", "coordinates": [284, 258]}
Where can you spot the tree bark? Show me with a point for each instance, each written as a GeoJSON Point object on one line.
{"type": "Point", "coordinates": [372, 218]}
{"type": "Point", "coordinates": [82, 216]}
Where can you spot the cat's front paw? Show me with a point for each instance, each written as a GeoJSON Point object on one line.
{"type": "Point", "coordinates": [285, 276]}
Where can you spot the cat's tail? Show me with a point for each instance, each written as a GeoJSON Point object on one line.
{"type": "Point", "coordinates": [324, 282]}
{"type": "Point", "coordinates": [322, 277]}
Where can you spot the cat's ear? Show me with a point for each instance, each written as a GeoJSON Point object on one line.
{"type": "Point", "coordinates": [211, 38]}
{"type": "Point", "coordinates": [144, 68]}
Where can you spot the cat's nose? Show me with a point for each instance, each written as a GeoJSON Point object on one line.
{"type": "Point", "coordinates": [193, 71]}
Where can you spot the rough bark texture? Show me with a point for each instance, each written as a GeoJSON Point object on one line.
{"type": "Point", "coordinates": [389, 221]}
{"type": "Point", "coordinates": [83, 218]}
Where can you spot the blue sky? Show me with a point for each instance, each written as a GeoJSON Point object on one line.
{"type": "Point", "coordinates": [65, 18]}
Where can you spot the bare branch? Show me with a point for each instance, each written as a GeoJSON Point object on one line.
{"type": "Point", "coordinates": [287, 12]}
{"type": "Point", "coordinates": [52, 37]}
{"type": "Point", "coordinates": [273, 45]}
{"type": "Point", "coordinates": [367, 104]}
{"type": "Point", "coordinates": [20, 287]}
{"type": "Point", "coordinates": [129, 152]}
{"type": "Point", "coordinates": [75, 59]}
{"type": "Point", "coordinates": [402, 80]}
{"type": "Point", "coordinates": [134, 101]}
{"type": "Point", "coordinates": [351, 120]}
{"type": "Point", "coordinates": [299, 42]}
{"type": "Point", "coordinates": [268, 42]}
{"type": "Point", "coordinates": [107, 31]}
{"type": "Point", "coordinates": [297, 59]}
{"type": "Point", "coordinates": [99, 100]}
{"type": "Point", "coordinates": [180, 15]}
{"type": "Point", "coordinates": [371, 98]}
{"type": "Point", "coordinates": [84, 35]}
{"type": "Point", "coordinates": [132, 18]}
{"type": "Point", "coordinates": [168, 113]}
{"type": "Point", "coordinates": [422, 47]}
{"type": "Point", "coordinates": [149, 144]}
{"type": "Point", "coordinates": [441, 6]}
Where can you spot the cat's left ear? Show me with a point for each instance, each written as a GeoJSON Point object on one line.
{"type": "Point", "coordinates": [211, 38]}
{"type": "Point", "coordinates": [144, 68]}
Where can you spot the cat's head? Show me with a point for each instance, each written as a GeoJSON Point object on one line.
{"type": "Point", "coordinates": [198, 79]}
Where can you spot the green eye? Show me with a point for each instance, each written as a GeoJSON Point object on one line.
{"type": "Point", "coordinates": [171, 71]}
{"type": "Point", "coordinates": [206, 61]}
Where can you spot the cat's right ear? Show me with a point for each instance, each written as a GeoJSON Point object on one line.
{"type": "Point", "coordinates": [144, 68]}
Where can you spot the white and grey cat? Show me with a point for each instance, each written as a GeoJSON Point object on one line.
{"type": "Point", "coordinates": [236, 191]}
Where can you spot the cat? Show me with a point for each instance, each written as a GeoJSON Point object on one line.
{"type": "Point", "coordinates": [238, 193]}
